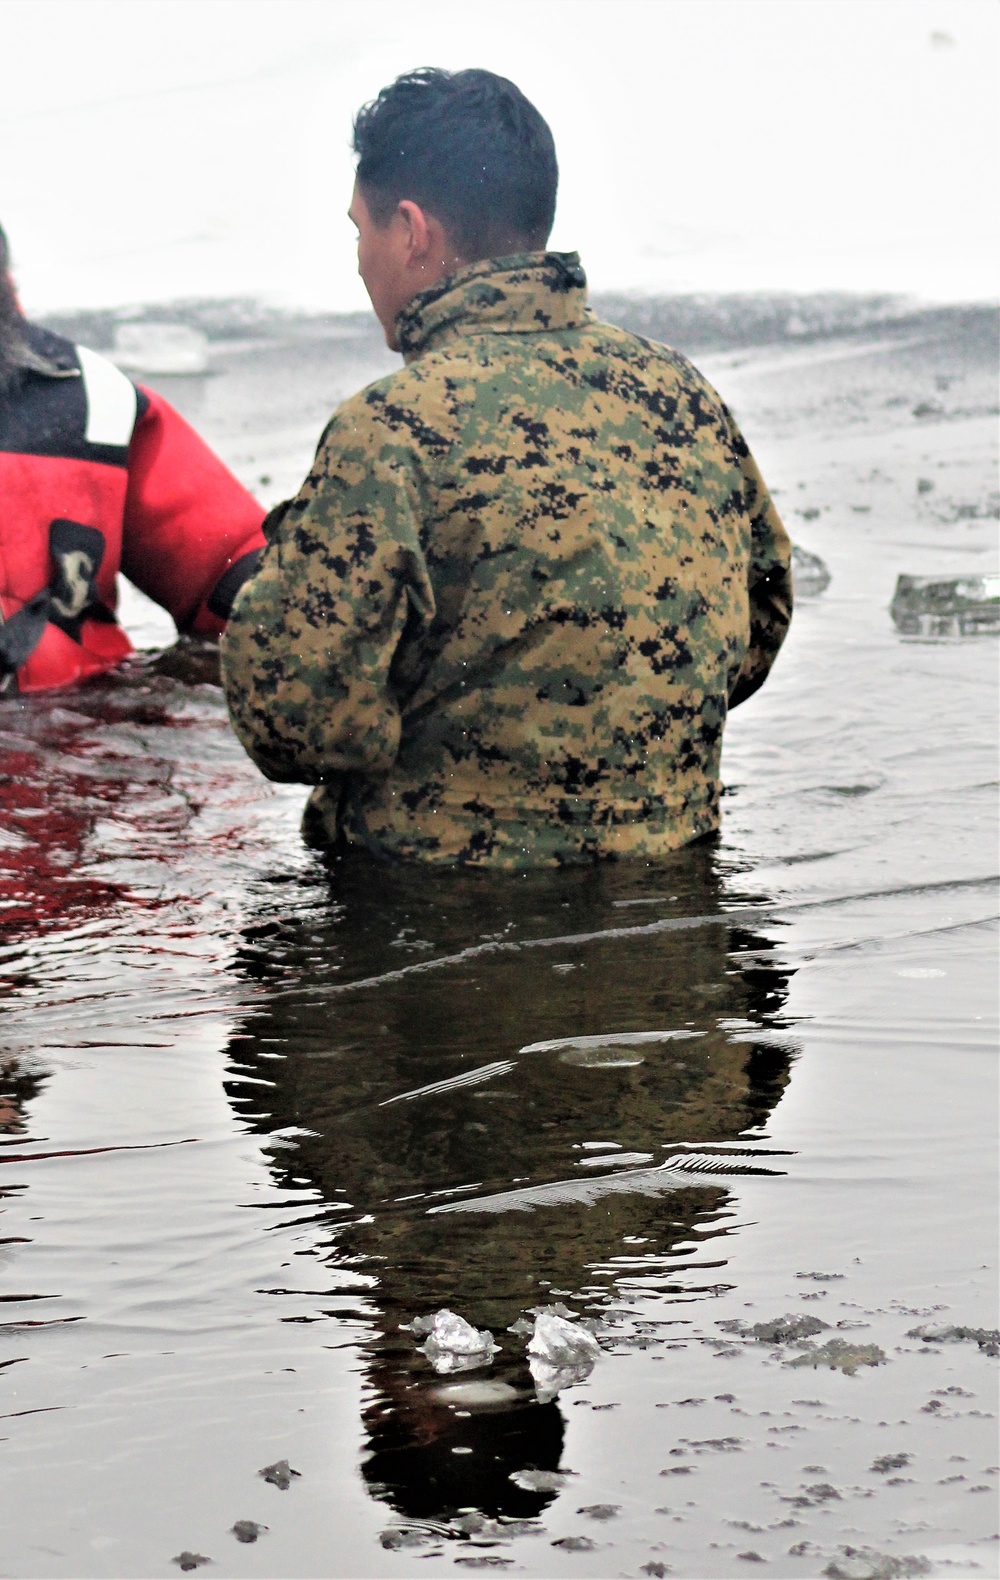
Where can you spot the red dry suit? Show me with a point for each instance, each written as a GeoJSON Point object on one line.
{"type": "Point", "coordinates": [96, 477]}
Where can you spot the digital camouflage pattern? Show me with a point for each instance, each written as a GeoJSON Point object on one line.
{"type": "Point", "coordinates": [503, 619]}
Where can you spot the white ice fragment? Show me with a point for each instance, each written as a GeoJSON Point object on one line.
{"type": "Point", "coordinates": [810, 575]}
{"type": "Point", "coordinates": [160, 348]}
{"type": "Point", "coordinates": [541, 1480]}
{"type": "Point", "coordinates": [454, 1344]}
{"type": "Point", "coordinates": [555, 1306]}
{"type": "Point", "coordinates": [561, 1343]}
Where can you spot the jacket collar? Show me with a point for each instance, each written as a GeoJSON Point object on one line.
{"type": "Point", "coordinates": [46, 354]}
{"type": "Point", "coordinates": [528, 293]}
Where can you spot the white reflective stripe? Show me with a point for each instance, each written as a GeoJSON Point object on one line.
{"type": "Point", "coordinates": [111, 400]}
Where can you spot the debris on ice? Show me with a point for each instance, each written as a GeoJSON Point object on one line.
{"type": "Point", "coordinates": [988, 1339]}
{"type": "Point", "coordinates": [279, 1474]}
{"type": "Point", "coordinates": [840, 1356]}
{"type": "Point", "coordinates": [247, 1530]}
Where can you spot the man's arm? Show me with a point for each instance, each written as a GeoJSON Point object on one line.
{"type": "Point", "coordinates": [191, 531]}
{"type": "Point", "coordinates": [770, 579]}
{"type": "Point", "coordinates": [307, 654]}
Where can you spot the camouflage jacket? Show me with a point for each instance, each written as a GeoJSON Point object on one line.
{"type": "Point", "coordinates": [503, 619]}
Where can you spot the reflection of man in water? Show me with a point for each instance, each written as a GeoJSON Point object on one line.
{"type": "Point", "coordinates": [503, 620]}
{"type": "Point", "coordinates": [463, 1165]}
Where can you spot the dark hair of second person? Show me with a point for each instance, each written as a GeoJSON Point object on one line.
{"type": "Point", "coordinates": [470, 149]}
{"type": "Point", "coordinates": [11, 324]}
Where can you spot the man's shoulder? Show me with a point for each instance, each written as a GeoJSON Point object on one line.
{"type": "Point", "coordinates": [594, 350]}
{"type": "Point", "coordinates": [420, 405]}
{"type": "Point", "coordinates": [657, 361]}
{"type": "Point", "coordinates": [403, 408]}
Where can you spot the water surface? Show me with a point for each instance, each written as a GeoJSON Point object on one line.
{"type": "Point", "coordinates": [259, 1112]}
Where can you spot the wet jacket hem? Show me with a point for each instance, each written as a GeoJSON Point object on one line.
{"type": "Point", "coordinates": [511, 840]}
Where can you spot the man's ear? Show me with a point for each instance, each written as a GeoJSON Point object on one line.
{"type": "Point", "coordinates": [418, 231]}
{"type": "Point", "coordinates": [11, 291]}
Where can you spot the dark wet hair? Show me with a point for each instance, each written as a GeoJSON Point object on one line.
{"type": "Point", "coordinates": [11, 324]}
{"type": "Point", "coordinates": [470, 149]}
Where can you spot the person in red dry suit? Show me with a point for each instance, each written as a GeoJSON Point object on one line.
{"type": "Point", "coordinates": [96, 476]}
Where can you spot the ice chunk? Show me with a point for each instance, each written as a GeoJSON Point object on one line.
{"type": "Point", "coordinates": [561, 1343]}
{"type": "Point", "coordinates": [560, 1353]}
{"type": "Point", "coordinates": [454, 1345]}
{"type": "Point", "coordinates": [946, 605]}
{"type": "Point", "coordinates": [160, 348]}
{"type": "Point", "coordinates": [810, 575]}
{"type": "Point", "coordinates": [541, 1480]}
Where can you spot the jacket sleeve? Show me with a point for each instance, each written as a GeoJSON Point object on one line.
{"type": "Point", "coordinates": [191, 533]}
{"type": "Point", "coordinates": [308, 653]}
{"type": "Point", "coordinates": [769, 581]}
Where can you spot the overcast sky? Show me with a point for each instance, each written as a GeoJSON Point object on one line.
{"type": "Point", "coordinates": [154, 149]}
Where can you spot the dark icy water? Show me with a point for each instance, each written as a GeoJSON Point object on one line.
{"type": "Point", "coordinates": [256, 1115]}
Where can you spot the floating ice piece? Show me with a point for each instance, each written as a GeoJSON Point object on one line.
{"type": "Point", "coordinates": [561, 1343]}
{"type": "Point", "coordinates": [454, 1345]}
{"type": "Point", "coordinates": [560, 1353]}
{"type": "Point", "coordinates": [946, 605]}
{"type": "Point", "coordinates": [810, 575]}
{"type": "Point", "coordinates": [541, 1480]}
{"type": "Point", "coordinates": [160, 348]}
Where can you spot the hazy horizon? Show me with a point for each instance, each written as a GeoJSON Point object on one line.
{"type": "Point", "coordinates": [177, 150]}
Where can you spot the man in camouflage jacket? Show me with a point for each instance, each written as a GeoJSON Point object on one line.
{"type": "Point", "coordinates": [504, 618]}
